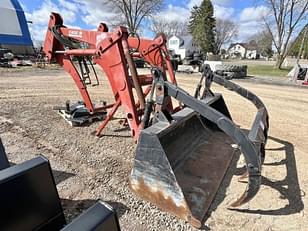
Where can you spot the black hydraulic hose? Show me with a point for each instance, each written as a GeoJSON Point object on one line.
{"type": "Point", "coordinates": [149, 106]}
{"type": "Point", "coordinates": [94, 71]}
{"type": "Point", "coordinates": [67, 42]}
{"type": "Point", "coordinates": [87, 70]}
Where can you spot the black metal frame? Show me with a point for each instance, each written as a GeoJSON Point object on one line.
{"type": "Point", "coordinates": [29, 197]}
{"type": "Point", "coordinates": [30, 201]}
{"type": "Point", "coordinates": [100, 217]}
{"type": "Point", "coordinates": [4, 163]}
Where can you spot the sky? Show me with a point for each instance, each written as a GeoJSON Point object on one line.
{"type": "Point", "coordinates": [247, 14]}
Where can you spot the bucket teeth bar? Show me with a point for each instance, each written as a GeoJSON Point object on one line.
{"type": "Point", "coordinates": [252, 145]}
{"type": "Point", "coordinates": [240, 90]}
{"type": "Point", "coordinates": [259, 131]}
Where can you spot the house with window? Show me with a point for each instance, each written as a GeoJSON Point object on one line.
{"type": "Point", "coordinates": [183, 45]}
{"type": "Point", "coordinates": [243, 50]}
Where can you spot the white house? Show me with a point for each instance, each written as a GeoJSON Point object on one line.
{"type": "Point", "coordinates": [182, 45]}
{"type": "Point", "coordinates": [243, 50]}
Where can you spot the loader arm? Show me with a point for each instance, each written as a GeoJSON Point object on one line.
{"type": "Point", "coordinates": [113, 51]}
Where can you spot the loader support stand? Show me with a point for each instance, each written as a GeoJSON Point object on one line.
{"type": "Point", "coordinates": [71, 69]}
{"type": "Point", "coordinates": [108, 118]}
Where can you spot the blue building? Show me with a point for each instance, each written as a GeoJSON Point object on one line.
{"type": "Point", "coordinates": [14, 31]}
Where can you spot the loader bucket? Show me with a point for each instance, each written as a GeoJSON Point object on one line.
{"type": "Point", "coordinates": [179, 166]}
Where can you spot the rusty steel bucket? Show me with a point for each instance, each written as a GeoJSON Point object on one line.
{"type": "Point", "coordinates": [179, 166]}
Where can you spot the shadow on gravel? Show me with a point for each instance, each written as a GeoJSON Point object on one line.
{"type": "Point", "coordinates": [60, 176]}
{"type": "Point", "coordinates": [288, 187]}
{"type": "Point", "coordinates": [116, 136]}
{"type": "Point", "coordinates": [123, 129]}
{"type": "Point", "coordinates": [73, 208]}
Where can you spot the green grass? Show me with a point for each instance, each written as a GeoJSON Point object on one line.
{"type": "Point", "coordinates": [267, 70]}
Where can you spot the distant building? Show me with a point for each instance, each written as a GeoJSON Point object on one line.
{"type": "Point", "coordinates": [243, 50]}
{"type": "Point", "coordinates": [14, 31]}
{"type": "Point", "coordinates": [183, 45]}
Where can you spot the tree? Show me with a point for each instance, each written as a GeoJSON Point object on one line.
{"type": "Point", "coordinates": [263, 41]}
{"type": "Point", "coordinates": [284, 18]}
{"type": "Point", "coordinates": [169, 28]}
{"type": "Point", "coordinates": [225, 30]}
{"type": "Point", "coordinates": [299, 47]}
{"type": "Point", "coordinates": [133, 12]}
{"type": "Point", "coordinates": [223, 51]}
{"type": "Point", "coordinates": [202, 25]}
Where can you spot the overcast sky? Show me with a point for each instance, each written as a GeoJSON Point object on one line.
{"type": "Point", "coordinates": [87, 14]}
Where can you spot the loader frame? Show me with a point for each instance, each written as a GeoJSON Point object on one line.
{"type": "Point", "coordinates": [113, 52]}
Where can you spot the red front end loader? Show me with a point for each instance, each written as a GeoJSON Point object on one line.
{"type": "Point", "coordinates": [184, 150]}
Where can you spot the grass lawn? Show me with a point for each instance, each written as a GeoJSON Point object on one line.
{"type": "Point", "coordinates": [267, 70]}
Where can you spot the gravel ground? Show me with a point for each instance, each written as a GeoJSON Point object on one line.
{"type": "Point", "coordinates": [87, 168]}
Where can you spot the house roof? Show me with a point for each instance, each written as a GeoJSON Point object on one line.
{"type": "Point", "coordinates": [184, 40]}
{"type": "Point", "coordinates": [247, 46]}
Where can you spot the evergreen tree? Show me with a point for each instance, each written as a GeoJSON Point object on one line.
{"type": "Point", "coordinates": [202, 26]}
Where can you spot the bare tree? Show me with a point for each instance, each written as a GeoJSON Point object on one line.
{"type": "Point", "coordinates": [263, 40]}
{"type": "Point", "coordinates": [283, 20]}
{"type": "Point", "coordinates": [226, 30]}
{"type": "Point", "coordinates": [264, 43]}
{"type": "Point", "coordinates": [168, 27]}
{"type": "Point", "coordinates": [132, 12]}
